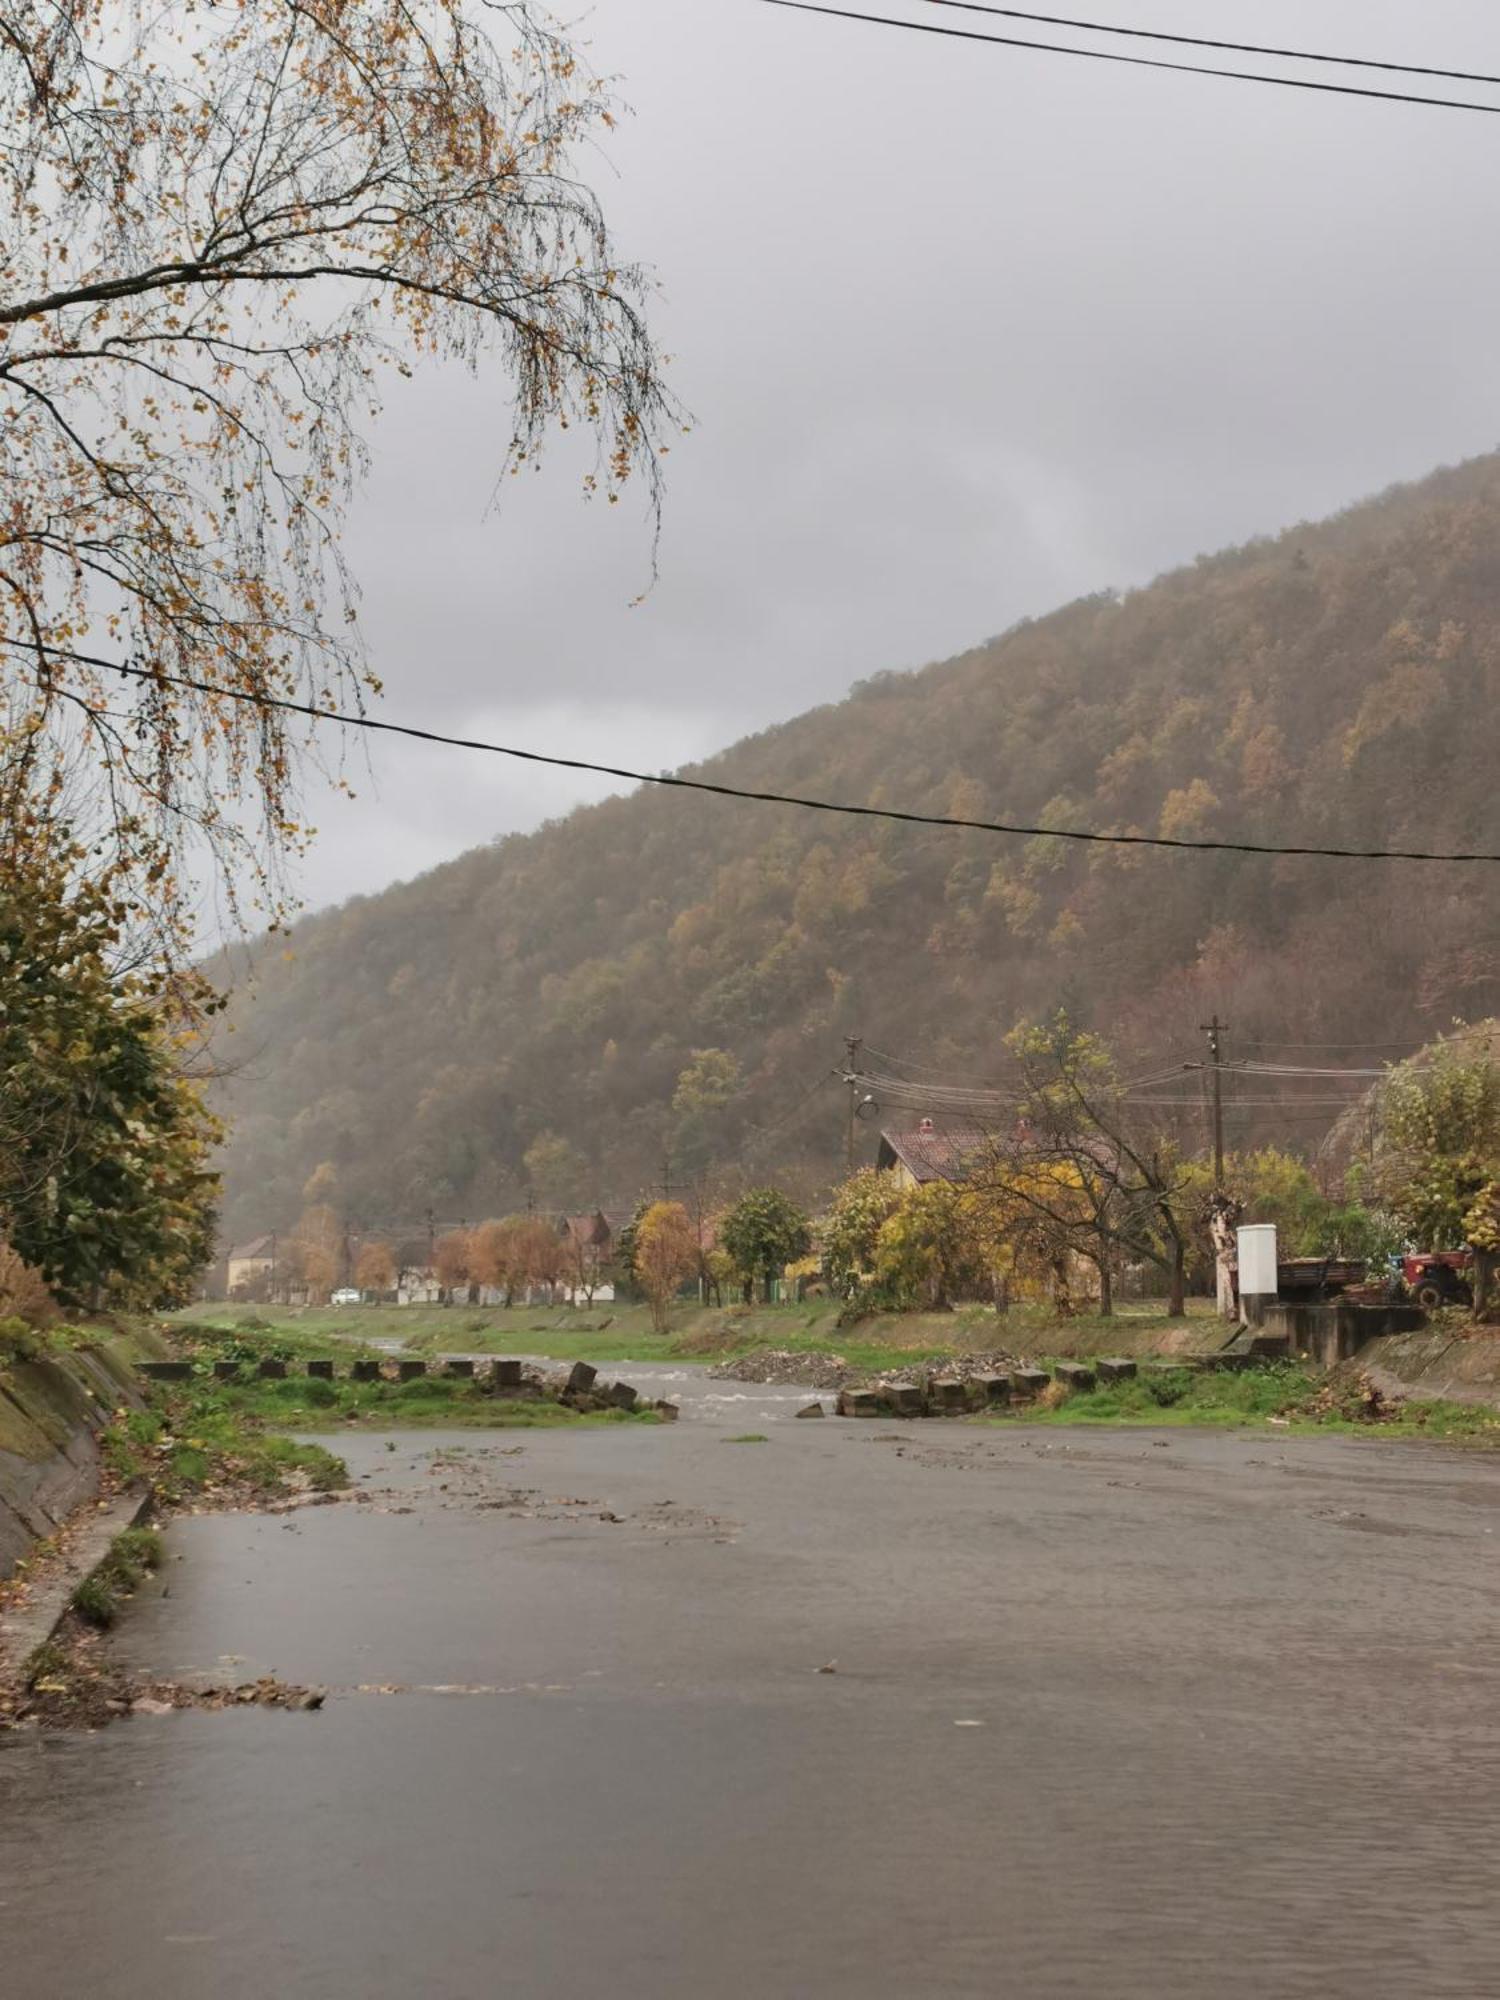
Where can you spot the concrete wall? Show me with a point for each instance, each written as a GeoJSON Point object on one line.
{"type": "Point", "coordinates": [1459, 1368]}
{"type": "Point", "coordinates": [51, 1412]}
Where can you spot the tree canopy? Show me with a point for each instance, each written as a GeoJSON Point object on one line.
{"type": "Point", "coordinates": [105, 1186]}
{"type": "Point", "coordinates": [226, 230]}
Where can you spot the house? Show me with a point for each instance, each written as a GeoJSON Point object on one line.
{"type": "Point", "coordinates": [928, 1154]}
{"type": "Point", "coordinates": [588, 1243]}
{"type": "Point", "coordinates": [250, 1266]}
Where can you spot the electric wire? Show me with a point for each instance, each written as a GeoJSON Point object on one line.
{"type": "Point", "coordinates": [1206, 42]}
{"type": "Point", "coordinates": [676, 781]}
{"type": "Point", "coordinates": [1137, 62]}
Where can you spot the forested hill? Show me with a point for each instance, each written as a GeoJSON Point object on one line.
{"type": "Point", "coordinates": [1338, 685]}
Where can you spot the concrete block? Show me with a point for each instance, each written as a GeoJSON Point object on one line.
{"type": "Point", "coordinates": [581, 1377]}
{"type": "Point", "coordinates": [1118, 1369]}
{"type": "Point", "coordinates": [858, 1403]}
{"type": "Point", "coordinates": [623, 1396]}
{"type": "Point", "coordinates": [271, 1370]}
{"type": "Point", "coordinates": [906, 1398]}
{"type": "Point", "coordinates": [321, 1371]}
{"type": "Point", "coordinates": [669, 1412]}
{"type": "Point", "coordinates": [1271, 1347]}
{"type": "Point", "coordinates": [948, 1398]}
{"type": "Point", "coordinates": [505, 1374]}
{"type": "Point", "coordinates": [365, 1371]}
{"type": "Point", "coordinates": [1029, 1382]}
{"type": "Point", "coordinates": [461, 1371]}
{"type": "Point", "coordinates": [167, 1371]}
{"type": "Point", "coordinates": [411, 1371]}
{"type": "Point", "coordinates": [226, 1371]}
{"type": "Point", "coordinates": [812, 1410]}
{"type": "Point", "coordinates": [995, 1388]}
{"type": "Point", "coordinates": [1075, 1375]}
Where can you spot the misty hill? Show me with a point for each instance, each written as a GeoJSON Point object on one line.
{"type": "Point", "coordinates": [1337, 684]}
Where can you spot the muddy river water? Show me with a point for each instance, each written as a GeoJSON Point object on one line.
{"type": "Point", "coordinates": [1109, 1713]}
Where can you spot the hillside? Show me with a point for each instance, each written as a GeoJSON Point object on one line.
{"type": "Point", "coordinates": [1337, 683]}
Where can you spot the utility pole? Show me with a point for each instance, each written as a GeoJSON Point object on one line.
{"type": "Point", "coordinates": [1213, 1029]}
{"type": "Point", "coordinates": [852, 1046]}
{"type": "Point", "coordinates": [1223, 1213]}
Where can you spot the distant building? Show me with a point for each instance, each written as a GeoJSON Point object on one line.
{"type": "Point", "coordinates": [927, 1153]}
{"type": "Point", "coordinates": [250, 1266]}
{"type": "Point", "coordinates": [588, 1245]}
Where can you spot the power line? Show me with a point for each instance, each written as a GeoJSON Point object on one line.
{"type": "Point", "coordinates": [674, 781]}
{"type": "Point", "coordinates": [1326, 1045]}
{"type": "Point", "coordinates": [1205, 42]}
{"type": "Point", "coordinates": [1136, 62]}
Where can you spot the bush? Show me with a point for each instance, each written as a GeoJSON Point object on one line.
{"type": "Point", "coordinates": [95, 1604]}
{"type": "Point", "coordinates": [1167, 1386]}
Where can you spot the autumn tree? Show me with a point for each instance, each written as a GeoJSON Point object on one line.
{"type": "Point", "coordinates": [224, 230]}
{"type": "Point", "coordinates": [706, 1086]}
{"type": "Point", "coordinates": [375, 1267]}
{"type": "Point", "coordinates": [1439, 1163]}
{"type": "Point", "coordinates": [932, 1249]}
{"type": "Point", "coordinates": [860, 1206]}
{"type": "Point", "coordinates": [316, 1251]}
{"type": "Point", "coordinates": [514, 1254]}
{"type": "Point", "coordinates": [665, 1256]}
{"type": "Point", "coordinates": [764, 1232]}
{"type": "Point", "coordinates": [452, 1261]}
{"type": "Point", "coordinates": [105, 1187]}
{"type": "Point", "coordinates": [1094, 1173]}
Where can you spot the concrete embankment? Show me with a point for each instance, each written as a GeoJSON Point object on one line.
{"type": "Point", "coordinates": [52, 1409]}
{"type": "Point", "coordinates": [1458, 1368]}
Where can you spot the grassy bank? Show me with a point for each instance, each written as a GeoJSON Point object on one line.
{"type": "Point", "coordinates": [190, 1445]}
{"type": "Point", "coordinates": [302, 1404]}
{"type": "Point", "coordinates": [1285, 1398]}
{"type": "Point", "coordinates": [617, 1333]}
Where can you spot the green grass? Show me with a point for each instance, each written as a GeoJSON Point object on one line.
{"type": "Point", "coordinates": [1303, 1402]}
{"type": "Point", "coordinates": [302, 1404]}
{"type": "Point", "coordinates": [187, 1441]}
{"type": "Point", "coordinates": [95, 1603]}
{"type": "Point", "coordinates": [747, 1437]}
{"type": "Point", "coordinates": [607, 1333]}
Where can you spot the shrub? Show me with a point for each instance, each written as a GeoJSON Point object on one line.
{"type": "Point", "coordinates": [1167, 1386]}
{"type": "Point", "coordinates": [95, 1604]}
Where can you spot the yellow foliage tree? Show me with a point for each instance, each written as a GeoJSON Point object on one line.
{"type": "Point", "coordinates": [666, 1256]}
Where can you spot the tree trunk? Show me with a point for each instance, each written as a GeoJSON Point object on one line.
{"type": "Point", "coordinates": [1486, 1300]}
{"type": "Point", "coordinates": [1106, 1287]}
{"type": "Point", "coordinates": [1177, 1303]}
{"type": "Point", "coordinates": [1221, 1228]}
{"type": "Point", "coordinates": [1000, 1287]}
{"type": "Point", "coordinates": [1062, 1300]}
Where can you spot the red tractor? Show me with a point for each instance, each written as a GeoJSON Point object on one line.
{"type": "Point", "coordinates": [1439, 1277]}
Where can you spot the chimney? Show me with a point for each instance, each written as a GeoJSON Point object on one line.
{"type": "Point", "coordinates": [926, 1126]}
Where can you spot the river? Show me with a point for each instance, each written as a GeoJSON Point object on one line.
{"type": "Point", "coordinates": [1107, 1713]}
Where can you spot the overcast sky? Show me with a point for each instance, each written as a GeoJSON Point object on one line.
{"type": "Point", "coordinates": [966, 332]}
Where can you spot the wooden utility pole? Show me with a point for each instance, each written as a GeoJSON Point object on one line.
{"type": "Point", "coordinates": [1213, 1029]}
{"type": "Point", "coordinates": [1223, 1213]}
{"type": "Point", "coordinates": [852, 1046]}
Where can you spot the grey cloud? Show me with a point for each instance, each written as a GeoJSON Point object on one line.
{"type": "Point", "coordinates": [966, 333]}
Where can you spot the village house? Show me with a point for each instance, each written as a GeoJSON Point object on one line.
{"type": "Point", "coordinates": [250, 1267]}
{"type": "Point", "coordinates": [927, 1153]}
